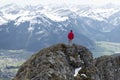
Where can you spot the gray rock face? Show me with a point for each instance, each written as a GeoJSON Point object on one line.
{"type": "Point", "coordinates": [108, 67]}
{"type": "Point", "coordinates": [60, 61]}
{"type": "Point", "coordinates": [57, 62]}
{"type": "Point", "coordinates": [102, 68]}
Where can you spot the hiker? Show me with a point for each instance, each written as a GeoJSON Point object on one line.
{"type": "Point", "coordinates": [70, 37]}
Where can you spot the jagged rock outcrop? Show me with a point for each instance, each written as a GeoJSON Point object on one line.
{"type": "Point", "coordinates": [101, 68]}
{"type": "Point", "coordinates": [57, 62]}
{"type": "Point", "coordinates": [108, 67]}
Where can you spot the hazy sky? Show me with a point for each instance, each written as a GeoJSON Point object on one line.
{"type": "Point", "coordinates": [34, 2]}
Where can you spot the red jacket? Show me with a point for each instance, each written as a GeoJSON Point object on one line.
{"type": "Point", "coordinates": [70, 35]}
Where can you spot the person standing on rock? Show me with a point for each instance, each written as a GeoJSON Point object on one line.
{"type": "Point", "coordinates": [70, 37]}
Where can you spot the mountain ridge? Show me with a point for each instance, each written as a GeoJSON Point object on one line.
{"type": "Point", "coordinates": [52, 12]}
{"type": "Point", "coordinates": [39, 24]}
{"type": "Point", "coordinates": [75, 62]}
{"type": "Point", "coordinates": [54, 63]}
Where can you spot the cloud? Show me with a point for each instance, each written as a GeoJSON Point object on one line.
{"type": "Point", "coordinates": [44, 2]}
{"type": "Point", "coordinates": [105, 1]}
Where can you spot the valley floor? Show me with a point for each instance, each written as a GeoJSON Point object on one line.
{"type": "Point", "coordinates": [10, 61]}
{"type": "Point", "coordinates": [106, 48]}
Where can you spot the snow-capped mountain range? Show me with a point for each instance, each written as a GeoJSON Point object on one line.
{"type": "Point", "coordinates": [45, 25]}
{"type": "Point", "coordinates": [57, 14]}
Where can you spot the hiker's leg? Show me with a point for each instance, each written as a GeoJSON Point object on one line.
{"type": "Point", "coordinates": [68, 42]}
{"type": "Point", "coordinates": [71, 43]}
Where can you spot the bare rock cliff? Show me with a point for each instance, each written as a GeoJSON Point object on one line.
{"type": "Point", "coordinates": [60, 62]}
{"type": "Point", "coordinates": [57, 62]}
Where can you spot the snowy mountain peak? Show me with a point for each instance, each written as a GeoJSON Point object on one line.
{"type": "Point", "coordinates": [54, 13]}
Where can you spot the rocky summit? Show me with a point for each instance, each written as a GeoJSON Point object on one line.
{"type": "Point", "coordinates": [65, 62]}
{"type": "Point", "coordinates": [57, 62]}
